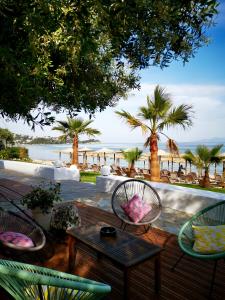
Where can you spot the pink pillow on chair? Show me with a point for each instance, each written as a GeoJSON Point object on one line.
{"type": "Point", "coordinates": [16, 238]}
{"type": "Point", "coordinates": [136, 209]}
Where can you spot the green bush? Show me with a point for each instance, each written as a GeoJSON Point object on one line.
{"type": "Point", "coordinates": [14, 153]}
{"type": "Point", "coordinates": [5, 154]}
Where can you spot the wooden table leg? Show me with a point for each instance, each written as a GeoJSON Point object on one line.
{"type": "Point", "coordinates": [72, 253]}
{"type": "Point", "coordinates": [158, 273]}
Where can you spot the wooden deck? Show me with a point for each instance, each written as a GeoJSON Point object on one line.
{"type": "Point", "coordinates": [191, 280]}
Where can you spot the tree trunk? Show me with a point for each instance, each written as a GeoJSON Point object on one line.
{"type": "Point", "coordinates": [154, 162]}
{"type": "Point", "coordinates": [75, 151]}
{"type": "Point", "coordinates": [205, 183]}
{"type": "Point", "coordinates": [132, 171]}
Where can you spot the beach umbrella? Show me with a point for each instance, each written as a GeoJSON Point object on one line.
{"type": "Point", "coordinates": [84, 150]}
{"type": "Point", "coordinates": [64, 151]}
{"type": "Point", "coordinates": [222, 155]}
{"type": "Point", "coordinates": [104, 151]}
{"type": "Point", "coordinates": [67, 150]}
{"type": "Point", "coordinates": [163, 153]}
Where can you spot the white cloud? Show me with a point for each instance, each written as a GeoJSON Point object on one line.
{"type": "Point", "coordinates": [209, 120]}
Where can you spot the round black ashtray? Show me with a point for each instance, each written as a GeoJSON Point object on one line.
{"type": "Point", "coordinates": [108, 231]}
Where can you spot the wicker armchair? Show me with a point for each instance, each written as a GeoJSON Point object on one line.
{"type": "Point", "coordinates": [211, 216]}
{"type": "Point", "coordinates": [27, 282]}
{"type": "Point", "coordinates": [10, 221]}
{"type": "Point", "coordinates": [125, 191]}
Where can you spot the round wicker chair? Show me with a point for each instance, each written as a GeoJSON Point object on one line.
{"type": "Point", "coordinates": [10, 221]}
{"type": "Point", "coordinates": [125, 191]}
{"type": "Point", "coordinates": [29, 282]}
{"type": "Point", "coordinates": [210, 216]}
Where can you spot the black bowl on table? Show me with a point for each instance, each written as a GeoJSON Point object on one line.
{"type": "Point", "coordinates": [108, 231]}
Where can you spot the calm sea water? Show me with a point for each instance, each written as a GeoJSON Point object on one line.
{"type": "Point", "coordinates": [51, 152]}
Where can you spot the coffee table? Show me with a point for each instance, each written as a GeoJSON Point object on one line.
{"type": "Point", "coordinates": [124, 250]}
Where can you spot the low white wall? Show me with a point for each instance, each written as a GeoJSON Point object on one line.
{"type": "Point", "coordinates": [176, 197]}
{"type": "Point", "coordinates": [38, 170]}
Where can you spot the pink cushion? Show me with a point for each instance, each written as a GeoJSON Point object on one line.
{"type": "Point", "coordinates": [136, 209]}
{"type": "Point", "coordinates": [16, 238]}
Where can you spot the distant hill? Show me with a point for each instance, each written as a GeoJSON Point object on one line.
{"type": "Point", "coordinates": [25, 139]}
{"type": "Point", "coordinates": [213, 140]}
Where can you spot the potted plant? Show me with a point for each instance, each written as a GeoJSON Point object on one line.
{"type": "Point", "coordinates": [41, 200]}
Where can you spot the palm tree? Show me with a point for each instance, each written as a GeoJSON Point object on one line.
{"type": "Point", "coordinates": [73, 128]}
{"type": "Point", "coordinates": [131, 156]}
{"type": "Point", "coordinates": [159, 114]}
{"type": "Point", "coordinates": [203, 158]}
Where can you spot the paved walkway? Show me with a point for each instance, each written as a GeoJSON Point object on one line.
{"type": "Point", "coordinates": [170, 220]}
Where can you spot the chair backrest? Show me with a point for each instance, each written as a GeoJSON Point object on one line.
{"type": "Point", "coordinates": [210, 216]}
{"type": "Point", "coordinates": [10, 221]}
{"type": "Point", "coordinates": [119, 172]}
{"type": "Point", "coordinates": [218, 178]}
{"type": "Point", "coordinates": [189, 178]}
{"type": "Point", "coordinates": [28, 282]}
{"type": "Point", "coordinates": [126, 190]}
{"type": "Point", "coordinates": [165, 179]}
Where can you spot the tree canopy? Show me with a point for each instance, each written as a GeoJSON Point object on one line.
{"type": "Point", "coordinates": [73, 55]}
{"type": "Point", "coordinates": [6, 137]}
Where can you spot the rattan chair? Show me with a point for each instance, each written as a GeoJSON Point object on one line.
{"type": "Point", "coordinates": [19, 222]}
{"type": "Point", "coordinates": [28, 282]}
{"type": "Point", "coordinates": [125, 191]}
{"type": "Point", "coordinates": [211, 216]}
{"type": "Point", "coordinates": [10, 221]}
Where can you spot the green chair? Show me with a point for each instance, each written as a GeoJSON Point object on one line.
{"type": "Point", "coordinates": [24, 281]}
{"type": "Point", "coordinates": [210, 216]}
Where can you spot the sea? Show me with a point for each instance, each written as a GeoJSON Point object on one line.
{"type": "Point", "coordinates": [47, 152]}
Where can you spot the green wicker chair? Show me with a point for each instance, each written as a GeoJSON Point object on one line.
{"type": "Point", "coordinates": [211, 216]}
{"type": "Point", "coordinates": [27, 282]}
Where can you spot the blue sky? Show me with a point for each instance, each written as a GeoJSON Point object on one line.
{"type": "Point", "coordinates": [200, 82]}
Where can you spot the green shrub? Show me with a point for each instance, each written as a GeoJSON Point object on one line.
{"type": "Point", "coordinates": [5, 154]}
{"type": "Point", "coordinates": [14, 153]}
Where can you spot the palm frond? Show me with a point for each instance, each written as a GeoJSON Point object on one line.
{"type": "Point", "coordinates": [60, 128]}
{"type": "Point", "coordinates": [180, 115]}
{"type": "Point", "coordinates": [189, 156]}
{"type": "Point", "coordinates": [204, 156]}
{"type": "Point", "coordinates": [147, 142]}
{"type": "Point", "coordinates": [162, 102]}
{"type": "Point", "coordinates": [91, 132]}
{"type": "Point", "coordinates": [132, 121]}
{"type": "Point", "coordinates": [85, 124]}
{"type": "Point", "coordinates": [76, 126]}
{"type": "Point", "coordinates": [132, 155]}
{"type": "Point", "coordinates": [215, 151]}
{"type": "Point", "coordinates": [172, 147]}
{"type": "Point", "coordinates": [204, 153]}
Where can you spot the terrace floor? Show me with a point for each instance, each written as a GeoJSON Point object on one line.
{"type": "Point", "coordinates": [170, 219]}
{"type": "Point", "coordinates": [191, 280]}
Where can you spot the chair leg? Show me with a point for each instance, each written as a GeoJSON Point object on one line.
{"type": "Point", "coordinates": [213, 279]}
{"type": "Point", "coordinates": [177, 262]}
{"type": "Point", "coordinates": [147, 228]}
{"type": "Point", "coordinates": [123, 226]}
